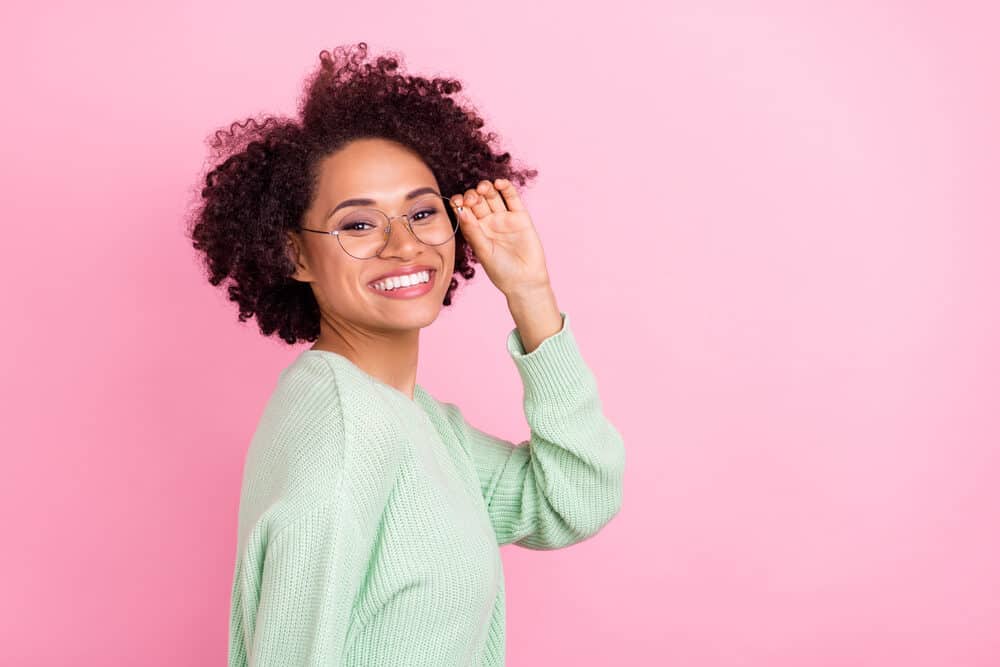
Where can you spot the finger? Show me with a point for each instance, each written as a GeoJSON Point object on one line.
{"type": "Point", "coordinates": [493, 198]}
{"type": "Point", "coordinates": [471, 231]}
{"type": "Point", "coordinates": [477, 203]}
{"type": "Point", "coordinates": [510, 195]}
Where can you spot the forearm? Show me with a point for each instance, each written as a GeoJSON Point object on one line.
{"type": "Point", "coordinates": [536, 315]}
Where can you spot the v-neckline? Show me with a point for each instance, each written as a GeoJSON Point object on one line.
{"type": "Point", "coordinates": [419, 393]}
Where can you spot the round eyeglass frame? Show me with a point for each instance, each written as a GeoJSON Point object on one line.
{"type": "Point", "coordinates": [388, 228]}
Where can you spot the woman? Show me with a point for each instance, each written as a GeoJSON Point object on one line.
{"type": "Point", "coordinates": [371, 513]}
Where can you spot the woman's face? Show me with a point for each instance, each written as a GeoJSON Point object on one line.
{"type": "Point", "coordinates": [384, 172]}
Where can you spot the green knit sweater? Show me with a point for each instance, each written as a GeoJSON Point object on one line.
{"type": "Point", "coordinates": [370, 523]}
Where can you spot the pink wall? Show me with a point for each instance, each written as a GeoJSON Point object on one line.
{"type": "Point", "coordinates": [798, 340]}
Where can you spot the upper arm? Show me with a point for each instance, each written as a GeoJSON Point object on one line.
{"type": "Point", "coordinates": [313, 495]}
{"type": "Point", "coordinates": [312, 572]}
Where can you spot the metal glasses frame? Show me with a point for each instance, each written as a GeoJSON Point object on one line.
{"type": "Point", "coordinates": [388, 228]}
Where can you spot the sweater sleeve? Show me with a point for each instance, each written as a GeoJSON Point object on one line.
{"type": "Point", "coordinates": [564, 483]}
{"type": "Point", "coordinates": [296, 582]}
{"type": "Point", "coordinates": [311, 575]}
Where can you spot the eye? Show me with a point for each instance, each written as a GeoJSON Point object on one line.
{"type": "Point", "coordinates": [429, 212]}
{"type": "Point", "coordinates": [354, 226]}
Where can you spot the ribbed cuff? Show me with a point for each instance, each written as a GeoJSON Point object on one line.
{"type": "Point", "coordinates": [553, 368]}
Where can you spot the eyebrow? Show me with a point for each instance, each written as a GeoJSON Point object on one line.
{"type": "Point", "coordinates": [369, 202]}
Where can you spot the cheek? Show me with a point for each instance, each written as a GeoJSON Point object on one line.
{"type": "Point", "coordinates": [449, 258]}
{"type": "Point", "coordinates": [338, 277]}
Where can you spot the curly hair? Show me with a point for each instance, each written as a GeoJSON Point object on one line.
{"type": "Point", "coordinates": [264, 173]}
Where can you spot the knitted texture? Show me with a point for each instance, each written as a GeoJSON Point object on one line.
{"type": "Point", "coordinates": [370, 523]}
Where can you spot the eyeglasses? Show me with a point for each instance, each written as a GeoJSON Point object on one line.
{"type": "Point", "coordinates": [364, 233]}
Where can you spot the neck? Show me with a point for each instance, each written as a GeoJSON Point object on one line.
{"type": "Point", "coordinates": [388, 356]}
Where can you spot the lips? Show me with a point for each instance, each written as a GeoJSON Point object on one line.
{"type": "Point", "coordinates": [403, 272]}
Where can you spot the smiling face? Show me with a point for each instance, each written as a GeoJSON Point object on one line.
{"type": "Point", "coordinates": [385, 172]}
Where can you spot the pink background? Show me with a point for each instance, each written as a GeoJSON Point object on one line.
{"type": "Point", "coordinates": [774, 225]}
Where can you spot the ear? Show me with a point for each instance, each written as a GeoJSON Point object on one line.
{"type": "Point", "coordinates": [294, 251]}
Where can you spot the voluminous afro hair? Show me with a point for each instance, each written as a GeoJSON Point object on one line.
{"type": "Point", "coordinates": [264, 172]}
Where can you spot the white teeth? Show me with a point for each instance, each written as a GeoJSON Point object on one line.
{"type": "Point", "coordinates": [402, 281]}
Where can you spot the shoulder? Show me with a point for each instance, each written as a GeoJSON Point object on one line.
{"type": "Point", "coordinates": [303, 421]}
{"type": "Point", "coordinates": [318, 436]}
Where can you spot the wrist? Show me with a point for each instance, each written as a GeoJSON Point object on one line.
{"type": "Point", "coordinates": [531, 294]}
{"type": "Point", "coordinates": [536, 315]}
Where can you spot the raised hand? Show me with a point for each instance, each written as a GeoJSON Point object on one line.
{"type": "Point", "coordinates": [496, 224]}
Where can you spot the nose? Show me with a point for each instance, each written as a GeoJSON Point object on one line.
{"type": "Point", "coordinates": [405, 241]}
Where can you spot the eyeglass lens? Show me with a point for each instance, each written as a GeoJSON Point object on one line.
{"type": "Point", "coordinates": [362, 232]}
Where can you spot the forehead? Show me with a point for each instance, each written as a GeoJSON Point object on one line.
{"type": "Point", "coordinates": [372, 168]}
